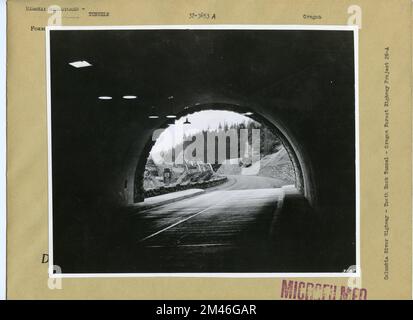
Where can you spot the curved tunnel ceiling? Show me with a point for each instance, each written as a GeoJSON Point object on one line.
{"type": "Point", "coordinates": [155, 65]}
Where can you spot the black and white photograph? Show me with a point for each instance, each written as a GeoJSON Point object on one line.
{"type": "Point", "coordinates": [203, 150]}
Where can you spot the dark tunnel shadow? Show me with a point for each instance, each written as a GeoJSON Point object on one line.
{"type": "Point", "coordinates": [296, 237]}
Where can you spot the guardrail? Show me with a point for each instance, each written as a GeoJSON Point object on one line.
{"type": "Point", "coordinates": [179, 187]}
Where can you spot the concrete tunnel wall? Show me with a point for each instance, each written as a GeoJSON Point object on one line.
{"type": "Point", "coordinates": [97, 146]}
{"type": "Point", "coordinates": [303, 122]}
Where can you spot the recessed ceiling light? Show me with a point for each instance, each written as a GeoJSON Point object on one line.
{"type": "Point", "coordinates": [153, 117]}
{"type": "Point", "coordinates": [171, 116]}
{"type": "Point", "coordinates": [80, 64]}
{"type": "Point", "coordinates": [129, 97]}
{"type": "Point", "coordinates": [105, 98]}
{"type": "Point", "coordinates": [248, 114]}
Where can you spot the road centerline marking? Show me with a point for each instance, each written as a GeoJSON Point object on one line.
{"type": "Point", "coordinates": [180, 221]}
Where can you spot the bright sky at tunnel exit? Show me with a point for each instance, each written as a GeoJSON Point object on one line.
{"type": "Point", "coordinates": [199, 121]}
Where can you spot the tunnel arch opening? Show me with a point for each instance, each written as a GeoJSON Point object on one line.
{"type": "Point", "coordinates": [301, 173]}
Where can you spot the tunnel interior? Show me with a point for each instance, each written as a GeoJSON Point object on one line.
{"type": "Point", "coordinates": [299, 82]}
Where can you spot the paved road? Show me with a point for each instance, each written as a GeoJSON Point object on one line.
{"type": "Point", "coordinates": [244, 182]}
{"type": "Point", "coordinates": [223, 230]}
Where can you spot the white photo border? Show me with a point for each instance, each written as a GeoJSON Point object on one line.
{"type": "Point", "coordinates": [352, 28]}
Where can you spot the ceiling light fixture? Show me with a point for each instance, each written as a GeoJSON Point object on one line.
{"type": "Point", "coordinates": [129, 97]}
{"type": "Point", "coordinates": [248, 114]}
{"type": "Point", "coordinates": [105, 98]}
{"type": "Point", "coordinates": [171, 116]}
{"type": "Point", "coordinates": [80, 64]}
{"type": "Point", "coordinates": [153, 113]}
